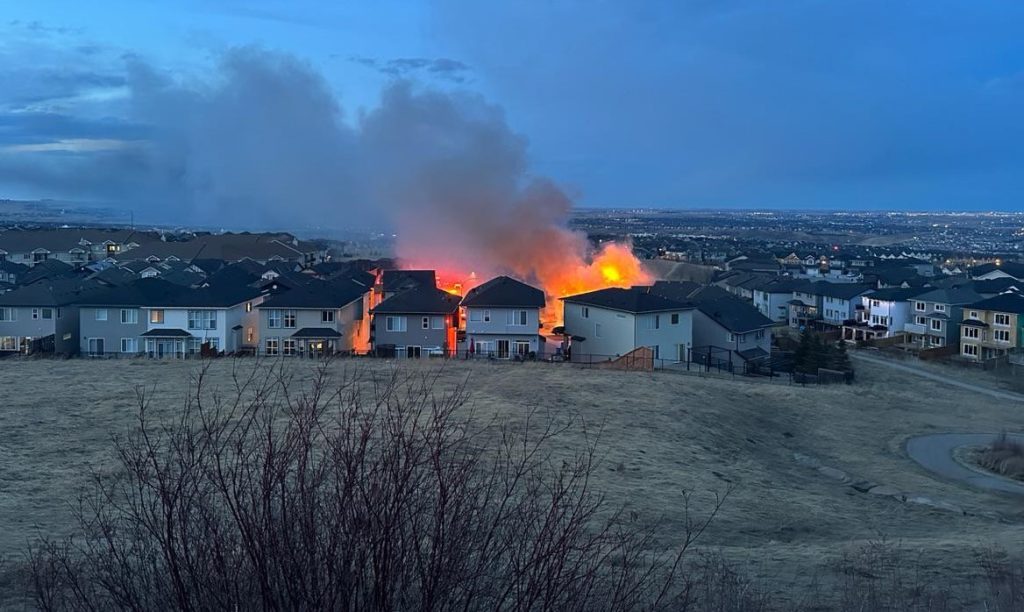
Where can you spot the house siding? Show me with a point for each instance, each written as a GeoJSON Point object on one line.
{"type": "Point", "coordinates": [623, 332]}
{"type": "Point", "coordinates": [64, 328]}
{"type": "Point", "coordinates": [111, 330]}
{"type": "Point", "coordinates": [414, 334]}
{"type": "Point", "coordinates": [708, 332]}
{"type": "Point", "coordinates": [498, 328]}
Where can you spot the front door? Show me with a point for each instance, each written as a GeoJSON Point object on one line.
{"type": "Point", "coordinates": [502, 349]}
{"type": "Point", "coordinates": [412, 352]}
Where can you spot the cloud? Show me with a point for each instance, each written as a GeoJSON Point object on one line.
{"type": "Point", "coordinates": [71, 145]}
{"type": "Point", "coordinates": [407, 67]}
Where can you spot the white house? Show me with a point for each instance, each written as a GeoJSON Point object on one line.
{"type": "Point", "coordinates": [609, 323]}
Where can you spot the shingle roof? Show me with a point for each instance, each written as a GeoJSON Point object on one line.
{"type": "Point", "coordinates": [841, 291]}
{"type": "Point", "coordinates": [504, 291]}
{"type": "Point", "coordinates": [634, 300]}
{"type": "Point", "coordinates": [734, 314]}
{"type": "Point", "coordinates": [316, 332]}
{"type": "Point", "coordinates": [1012, 268]}
{"type": "Point", "coordinates": [894, 294]}
{"type": "Point", "coordinates": [318, 294]}
{"type": "Point", "coordinates": [951, 295]}
{"type": "Point", "coordinates": [156, 292]}
{"type": "Point", "coordinates": [166, 332]}
{"type": "Point", "coordinates": [1007, 302]}
{"type": "Point", "coordinates": [420, 300]}
{"type": "Point", "coordinates": [400, 280]}
{"type": "Point", "coordinates": [58, 292]}
{"type": "Point", "coordinates": [675, 290]}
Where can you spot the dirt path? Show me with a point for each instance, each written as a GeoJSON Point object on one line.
{"type": "Point", "coordinates": [889, 363]}
{"type": "Point", "coordinates": [935, 453]}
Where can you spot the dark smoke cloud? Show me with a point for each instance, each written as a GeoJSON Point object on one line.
{"type": "Point", "coordinates": [264, 142]}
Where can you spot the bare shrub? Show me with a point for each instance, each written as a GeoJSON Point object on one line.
{"type": "Point", "coordinates": [884, 576]}
{"type": "Point", "coordinates": [352, 491]}
{"type": "Point", "coordinates": [1004, 456]}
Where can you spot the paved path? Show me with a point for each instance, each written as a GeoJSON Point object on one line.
{"type": "Point", "coordinates": [897, 365]}
{"type": "Point", "coordinates": [935, 453]}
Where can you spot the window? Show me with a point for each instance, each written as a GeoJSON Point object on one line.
{"type": "Point", "coordinates": [936, 324]}
{"type": "Point", "coordinates": [971, 332]}
{"type": "Point", "coordinates": [759, 334]}
{"type": "Point", "coordinates": [129, 316]}
{"type": "Point", "coordinates": [921, 320]}
{"type": "Point", "coordinates": [919, 306]}
{"type": "Point", "coordinates": [273, 319]}
{"type": "Point", "coordinates": [101, 314]}
{"type": "Point", "coordinates": [1001, 335]}
{"type": "Point", "coordinates": [1002, 319]}
{"type": "Point", "coordinates": [8, 343]}
{"type": "Point", "coordinates": [971, 349]}
{"type": "Point", "coordinates": [327, 316]}
{"type": "Point", "coordinates": [129, 345]}
{"type": "Point", "coordinates": [730, 337]}
{"type": "Point", "coordinates": [935, 340]}
{"type": "Point", "coordinates": [288, 346]}
{"type": "Point", "coordinates": [425, 323]}
{"type": "Point", "coordinates": [288, 319]}
{"type": "Point", "coordinates": [437, 322]}
{"type": "Point", "coordinates": [675, 318]}
{"type": "Point", "coordinates": [940, 308]}
{"type": "Point", "coordinates": [202, 319]}
{"type": "Point", "coordinates": [974, 314]}
{"type": "Point", "coordinates": [585, 311]}
{"type": "Point", "coordinates": [515, 317]}
{"type": "Point", "coordinates": [657, 321]}
{"type": "Point", "coordinates": [250, 335]}
{"type": "Point", "coordinates": [8, 314]}
{"type": "Point", "coordinates": [42, 313]}
{"type": "Point", "coordinates": [60, 313]}
{"type": "Point", "coordinates": [271, 345]}
{"type": "Point", "coordinates": [487, 316]}
{"type": "Point", "coordinates": [248, 306]}
{"type": "Point", "coordinates": [597, 330]}
{"type": "Point", "coordinates": [156, 316]}
{"type": "Point", "coordinates": [875, 303]}
{"type": "Point", "coordinates": [476, 315]}
{"type": "Point", "coordinates": [394, 324]}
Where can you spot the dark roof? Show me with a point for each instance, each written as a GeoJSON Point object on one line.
{"type": "Point", "coordinates": [420, 300]}
{"type": "Point", "coordinates": [156, 292]}
{"type": "Point", "coordinates": [1007, 302]}
{"type": "Point", "coordinates": [734, 314]}
{"type": "Point", "coordinates": [679, 291]}
{"type": "Point", "coordinates": [12, 267]}
{"type": "Point", "coordinates": [51, 268]}
{"type": "Point", "coordinates": [504, 291]}
{"type": "Point", "coordinates": [50, 292]}
{"type": "Point", "coordinates": [950, 295]}
{"type": "Point", "coordinates": [635, 300]}
{"type": "Point", "coordinates": [169, 332]}
{"type": "Point", "coordinates": [1012, 268]}
{"type": "Point", "coordinates": [394, 281]}
{"type": "Point", "coordinates": [318, 294]}
{"type": "Point", "coordinates": [316, 332]}
{"type": "Point", "coordinates": [973, 323]}
{"type": "Point", "coordinates": [895, 294]}
{"type": "Point", "coordinates": [781, 285]}
{"type": "Point", "coordinates": [841, 291]}
{"type": "Point", "coordinates": [753, 353]}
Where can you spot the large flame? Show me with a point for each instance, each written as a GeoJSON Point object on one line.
{"type": "Point", "coordinates": [612, 265]}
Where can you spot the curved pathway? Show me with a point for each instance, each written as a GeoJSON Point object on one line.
{"type": "Point", "coordinates": [949, 380]}
{"type": "Point", "coordinates": [935, 453]}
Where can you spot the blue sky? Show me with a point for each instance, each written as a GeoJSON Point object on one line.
{"type": "Point", "coordinates": [794, 104]}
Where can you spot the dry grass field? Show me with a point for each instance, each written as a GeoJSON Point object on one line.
{"type": "Point", "coordinates": [780, 450]}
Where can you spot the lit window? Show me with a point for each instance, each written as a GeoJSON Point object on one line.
{"type": "Point", "coordinates": [156, 316]}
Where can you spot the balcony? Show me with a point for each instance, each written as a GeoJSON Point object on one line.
{"type": "Point", "coordinates": [915, 328]}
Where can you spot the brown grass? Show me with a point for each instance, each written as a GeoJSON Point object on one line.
{"type": "Point", "coordinates": [1004, 456]}
{"type": "Point", "coordinates": [782, 532]}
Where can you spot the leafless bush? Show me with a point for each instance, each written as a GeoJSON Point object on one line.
{"type": "Point", "coordinates": [353, 491]}
{"type": "Point", "coordinates": [1004, 456]}
{"type": "Point", "coordinates": [883, 576]}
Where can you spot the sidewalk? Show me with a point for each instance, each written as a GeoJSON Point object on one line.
{"type": "Point", "coordinates": [923, 373]}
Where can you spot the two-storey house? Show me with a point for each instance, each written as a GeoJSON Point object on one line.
{"type": "Point", "coordinates": [608, 323]}
{"type": "Point", "coordinates": [314, 319]}
{"type": "Point", "coordinates": [42, 317]}
{"type": "Point", "coordinates": [992, 327]}
{"type": "Point", "coordinates": [502, 319]}
{"type": "Point", "coordinates": [936, 316]}
{"type": "Point", "coordinates": [420, 321]}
